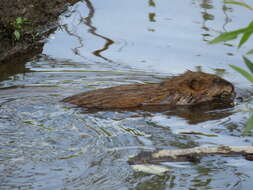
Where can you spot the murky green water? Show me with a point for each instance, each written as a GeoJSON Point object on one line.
{"type": "Point", "coordinates": [46, 144]}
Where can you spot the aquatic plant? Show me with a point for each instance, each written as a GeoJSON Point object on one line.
{"type": "Point", "coordinates": [246, 74]}
{"type": "Point", "coordinates": [245, 33]}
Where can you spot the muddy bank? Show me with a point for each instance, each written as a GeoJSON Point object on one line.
{"type": "Point", "coordinates": [40, 20]}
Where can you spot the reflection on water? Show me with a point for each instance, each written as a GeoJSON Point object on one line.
{"type": "Point", "coordinates": [111, 40]}
{"type": "Point", "coordinates": [91, 29]}
{"type": "Point", "coordinates": [88, 22]}
{"type": "Point", "coordinates": [151, 17]}
{"type": "Point", "coordinates": [46, 144]}
{"type": "Point", "coordinates": [206, 5]}
{"type": "Point", "coordinates": [151, 3]}
{"type": "Point", "coordinates": [227, 19]}
{"type": "Point", "coordinates": [201, 178]}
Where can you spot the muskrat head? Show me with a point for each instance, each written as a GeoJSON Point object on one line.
{"type": "Point", "coordinates": [199, 87]}
{"type": "Point", "coordinates": [220, 89]}
{"type": "Point", "coordinates": [207, 87]}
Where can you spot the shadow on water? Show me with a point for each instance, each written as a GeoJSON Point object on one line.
{"type": "Point", "coordinates": [197, 115]}
{"type": "Point", "coordinates": [16, 65]}
{"type": "Point", "coordinates": [192, 114]}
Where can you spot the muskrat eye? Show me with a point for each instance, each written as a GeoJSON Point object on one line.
{"type": "Point", "coordinates": [194, 84]}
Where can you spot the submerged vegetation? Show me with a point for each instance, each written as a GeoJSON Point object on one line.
{"type": "Point", "coordinates": [245, 33]}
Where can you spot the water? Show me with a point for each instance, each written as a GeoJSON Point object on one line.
{"type": "Point", "coordinates": [46, 144]}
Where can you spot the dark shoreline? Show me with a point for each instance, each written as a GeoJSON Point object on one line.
{"type": "Point", "coordinates": [42, 17]}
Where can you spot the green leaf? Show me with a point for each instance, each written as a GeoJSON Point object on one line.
{"type": "Point", "coordinates": [244, 38]}
{"type": "Point", "coordinates": [248, 127]}
{"type": "Point", "coordinates": [239, 3]}
{"type": "Point", "coordinates": [17, 35]}
{"type": "Point", "coordinates": [19, 20]}
{"type": "Point", "coordinates": [243, 72]}
{"type": "Point", "coordinates": [250, 25]}
{"type": "Point", "coordinates": [247, 34]}
{"type": "Point", "coordinates": [250, 51]}
{"type": "Point", "coordinates": [248, 63]}
{"type": "Point", "coordinates": [227, 36]}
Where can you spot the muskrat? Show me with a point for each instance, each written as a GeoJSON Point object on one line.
{"type": "Point", "coordinates": [190, 88]}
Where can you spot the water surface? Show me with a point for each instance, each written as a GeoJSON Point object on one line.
{"type": "Point", "coordinates": [46, 144]}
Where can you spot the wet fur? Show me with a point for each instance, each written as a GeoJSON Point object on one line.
{"type": "Point", "coordinates": [190, 88]}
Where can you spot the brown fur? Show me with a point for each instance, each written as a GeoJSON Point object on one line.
{"type": "Point", "coordinates": [190, 88]}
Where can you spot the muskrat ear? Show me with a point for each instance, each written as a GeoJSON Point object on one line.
{"type": "Point", "coordinates": [188, 72]}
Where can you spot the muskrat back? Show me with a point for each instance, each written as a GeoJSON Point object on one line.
{"type": "Point", "coordinates": [190, 88]}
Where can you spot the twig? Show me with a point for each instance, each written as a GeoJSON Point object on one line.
{"type": "Point", "coordinates": [191, 154]}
